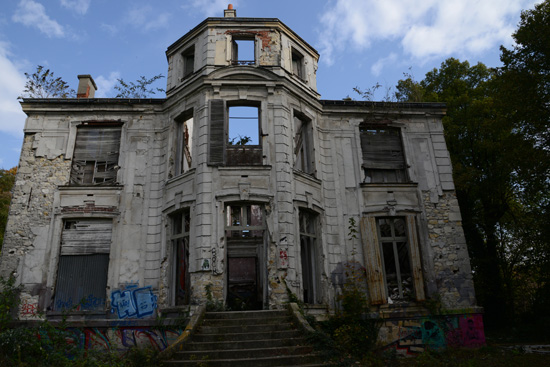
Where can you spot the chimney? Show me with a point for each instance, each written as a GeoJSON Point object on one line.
{"type": "Point", "coordinates": [230, 12]}
{"type": "Point", "coordinates": [86, 87]}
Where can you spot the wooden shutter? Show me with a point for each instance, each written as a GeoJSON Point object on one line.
{"type": "Point", "coordinates": [383, 149]}
{"type": "Point", "coordinates": [373, 261]}
{"type": "Point", "coordinates": [416, 263]}
{"type": "Point", "coordinates": [216, 137]}
{"type": "Point", "coordinates": [86, 237]}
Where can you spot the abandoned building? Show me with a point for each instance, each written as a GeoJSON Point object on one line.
{"type": "Point", "coordinates": [239, 184]}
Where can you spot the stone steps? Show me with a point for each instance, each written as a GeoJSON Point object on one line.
{"type": "Point", "coordinates": [247, 338]}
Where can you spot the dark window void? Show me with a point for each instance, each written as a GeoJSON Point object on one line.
{"type": "Point", "coordinates": [383, 157]}
{"type": "Point", "coordinates": [85, 247]}
{"type": "Point", "coordinates": [297, 64]}
{"type": "Point", "coordinates": [179, 238]}
{"type": "Point", "coordinates": [95, 156]}
{"type": "Point", "coordinates": [309, 256]}
{"type": "Point", "coordinates": [243, 52]}
{"type": "Point", "coordinates": [303, 146]}
{"type": "Point", "coordinates": [188, 57]}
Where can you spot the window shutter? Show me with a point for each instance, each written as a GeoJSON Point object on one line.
{"type": "Point", "coordinates": [373, 261]}
{"type": "Point", "coordinates": [383, 150]}
{"type": "Point", "coordinates": [87, 237]}
{"type": "Point", "coordinates": [216, 138]}
{"type": "Point", "coordinates": [416, 263]}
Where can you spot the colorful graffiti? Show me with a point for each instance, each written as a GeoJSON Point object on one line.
{"type": "Point", "coordinates": [138, 302]}
{"type": "Point", "coordinates": [122, 338]}
{"type": "Point", "coordinates": [437, 332]}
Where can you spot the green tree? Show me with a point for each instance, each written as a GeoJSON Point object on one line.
{"type": "Point", "coordinates": [43, 84]}
{"type": "Point", "coordinates": [7, 180]}
{"type": "Point", "coordinates": [139, 89]}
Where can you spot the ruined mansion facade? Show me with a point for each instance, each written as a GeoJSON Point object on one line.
{"type": "Point", "coordinates": [239, 184]}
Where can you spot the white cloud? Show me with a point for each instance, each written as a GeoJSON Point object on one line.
{"type": "Point", "coordinates": [33, 14]}
{"type": "Point", "coordinates": [211, 8]}
{"type": "Point", "coordinates": [376, 68]}
{"type": "Point", "coordinates": [78, 6]}
{"type": "Point", "coordinates": [12, 118]}
{"type": "Point", "coordinates": [109, 28]}
{"type": "Point", "coordinates": [425, 29]}
{"type": "Point", "coordinates": [146, 18]}
{"type": "Point", "coordinates": [105, 84]}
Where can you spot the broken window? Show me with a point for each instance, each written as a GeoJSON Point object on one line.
{"type": "Point", "coordinates": [392, 258]}
{"type": "Point", "coordinates": [234, 134]}
{"type": "Point", "coordinates": [244, 232]}
{"type": "Point", "coordinates": [188, 57]}
{"type": "Point", "coordinates": [83, 264]}
{"type": "Point", "coordinates": [95, 156]}
{"type": "Point", "coordinates": [383, 157]}
{"type": "Point", "coordinates": [179, 239]}
{"type": "Point", "coordinates": [303, 145]}
{"type": "Point", "coordinates": [184, 130]}
{"type": "Point", "coordinates": [308, 253]}
{"type": "Point", "coordinates": [297, 64]}
{"type": "Point", "coordinates": [243, 51]}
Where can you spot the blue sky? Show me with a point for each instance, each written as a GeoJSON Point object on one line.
{"type": "Point", "coordinates": [361, 42]}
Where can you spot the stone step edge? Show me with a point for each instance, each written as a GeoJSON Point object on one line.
{"type": "Point", "coordinates": [249, 350]}
{"type": "Point", "coordinates": [253, 341]}
{"type": "Point", "coordinates": [259, 359]}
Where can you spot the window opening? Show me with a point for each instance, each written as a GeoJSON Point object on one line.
{"type": "Point", "coordinates": [244, 231]}
{"type": "Point", "coordinates": [383, 156]}
{"type": "Point", "coordinates": [243, 136]}
{"type": "Point", "coordinates": [397, 264]}
{"type": "Point", "coordinates": [184, 130]}
{"type": "Point", "coordinates": [179, 238]}
{"type": "Point", "coordinates": [297, 64]}
{"type": "Point", "coordinates": [95, 156]}
{"type": "Point", "coordinates": [308, 252]}
{"type": "Point", "coordinates": [188, 61]}
{"type": "Point", "coordinates": [303, 146]}
{"type": "Point", "coordinates": [243, 51]}
{"type": "Point", "coordinates": [85, 248]}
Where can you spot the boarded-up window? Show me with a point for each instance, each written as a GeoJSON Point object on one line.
{"type": "Point", "coordinates": [95, 156]}
{"type": "Point", "coordinates": [179, 238]}
{"type": "Point", "coordinates": [309, 256]}
{"type": "Point", "coordinates": [83, 264]}
{"type": "Point", "coordinates": [392, 258]}
{"type": "Point", "coordinates": [184, 131]}
{"type": "Point", "coordinates": [303, 145]}
{"type": "Point", "coordinates": [383, 158]}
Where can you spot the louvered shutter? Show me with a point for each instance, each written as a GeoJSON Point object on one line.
{"type": "Point", "coordinates": [373, 260]}
{"type": "Point", "coordinates": [216, 137]}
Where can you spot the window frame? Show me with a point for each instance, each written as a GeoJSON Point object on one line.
{"type": "Point", "coordinates": [235, 39]}
{"type": "Point", "coordinates": [220, 152]}
{"type": "Point", "coordinates": [297, 63]}
{"type": "Point", "coordinates": [81, 161]}
{"type": "Point", "coordinates": [383, 155]}
{"type": "Point", "coordinates": [188, 61]}
{"type": "Point", "coordinates": [374, 261]}
{"type": "Point", "coordinates": [183, 139]}
{"type": "Point", "coordinates": [180, 247]}
{"type": "Point", "coordinates": [88, 251]}
{"type": "Point", "coordinates": [304, 149]}
{"type": "Point", "coordinates": [310, 255]}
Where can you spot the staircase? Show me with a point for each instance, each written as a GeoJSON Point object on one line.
{"type": "Point", "coordinates": [247, 339]}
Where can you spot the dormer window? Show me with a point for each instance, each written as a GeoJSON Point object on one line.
{"type": "Point", "coordinates": [243, 52]}
{"type": "Point", "coordinates": [188, 57]}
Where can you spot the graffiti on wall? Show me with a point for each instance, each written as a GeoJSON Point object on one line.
{"type": "Point", "coordinates": [122, 338]}
{"type": "Point", "coordinates": [133, 302]}
{"type": "Point", "coordinates": [438, 332]}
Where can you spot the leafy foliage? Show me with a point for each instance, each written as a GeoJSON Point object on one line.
{"type": "Point", "coordinates": [7, 180]}
{"type": "Point", "coordinates": [141, 88]}
{"type": "Point", "coordinates": [43, 84]}
{"type": "Point", "coordinates": [9, 294]}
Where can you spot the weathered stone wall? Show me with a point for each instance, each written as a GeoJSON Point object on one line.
{"type": "Point", "coordinates": [451, 264]}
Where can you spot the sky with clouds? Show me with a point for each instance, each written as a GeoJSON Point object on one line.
{"type": "Point", "coordinates": [361, 42]}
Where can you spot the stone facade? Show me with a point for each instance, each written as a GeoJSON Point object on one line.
{"type": "Point", "coordinates": [184, 213]}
